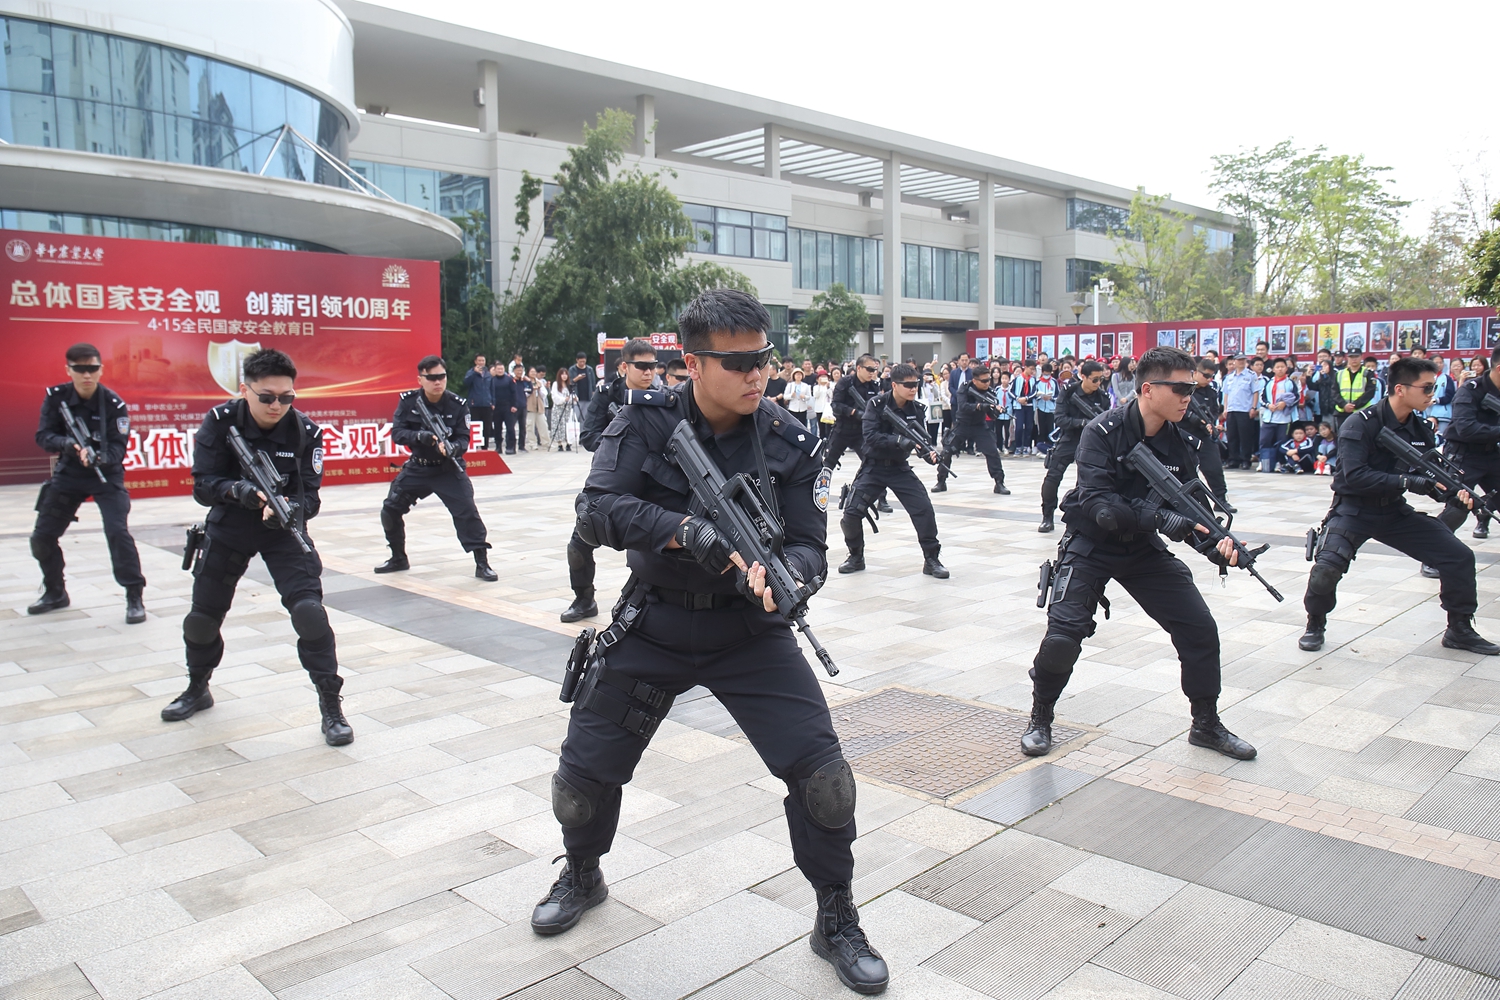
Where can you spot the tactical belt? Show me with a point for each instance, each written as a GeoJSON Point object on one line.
{"type": "Point", "coordinates": [887, 461]}
{"type": "Point", "coordinates": [1361, 501]}
{"type": "Point", "coordinates": [427, 461]}
{"type": "Point", "coordinates": [1464, 448]}
{"type": "Point", "coordinates": [699, 602]}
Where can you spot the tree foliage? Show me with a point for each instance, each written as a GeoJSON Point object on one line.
{"type": "Point", "coordinates": [468, 302]}
{"type": "Point", "coordinates": [826, 329]}
{"type": "Point", "coordinates": [616, 265]}
{"type": "Point", "coordinates": [1166, 270]}
{"type": "Point", "coordinates": [1482, 281]}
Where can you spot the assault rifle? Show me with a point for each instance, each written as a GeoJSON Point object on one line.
{"type": "Point", "coordinates": [432, 426]}
{"type": "Point", "coordinates": [1194, 502]}
{"type": "Point", "coordinates": [82, 440]}
{"type": "Point", "coordinates": [735, 507]}
{"type": "Point", "coordinates": [1435, 466]}
{"type": "Point", "coordinates": [258, 468]}
{"type": "Point", "coordinates": [911, 435]}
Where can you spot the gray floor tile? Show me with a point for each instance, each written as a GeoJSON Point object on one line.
{"type": "Point", "coordinates": [1028, 792]}
{"type": "Point", "coordinates": [747, 984]}
{"type": "Point", "coordinates": [1470, 938]}
{"type": "Point", "coordinates": [571, 985]}
{"type": "Point", "coordinates": [1263, 981]}
{"type": "Point", "coordinates": [1440, 981]}
{"type": "Point", "coordinates": [1126, 888]}
{"type": "Point", "coordinates": [991, 878]}
{"type": "Point", "coordinates": [400, 881]}
{"type": "Point", "coordinates": [1461, 802]}
{"type": "Point", "coordinates": [16, 911]}
{"type": "Point", "coordinates": [1091, 982]}
{"type": "Point", "coordinates": [64, 983]}
{"type": "Point", "coordinates": [1338, 958]}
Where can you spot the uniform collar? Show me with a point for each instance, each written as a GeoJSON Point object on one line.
{"type": "Point", "coordinates": [281, 433]}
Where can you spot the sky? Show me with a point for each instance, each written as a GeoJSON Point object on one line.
{"type": "Point", "coordinates": [1141, 94]}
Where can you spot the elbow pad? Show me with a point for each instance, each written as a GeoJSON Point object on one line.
{"type": "Point", "coordinates": [1105, 518]}
{"type": "Point", "coordinates": [593, 520]}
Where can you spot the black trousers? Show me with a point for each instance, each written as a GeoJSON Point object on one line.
{"type": "Point", "coordinates": [1480, 469]}
{"type": "Point", "coordinates": [418, 482]}
{"type": "Point", "coordinates": [580, 566]}
{"type": "Point", "coordinates": [1211, 464]}
{"type": "Point", "coordinates": [846, 436]}
{"type": "Point", "coordinates": [1025, 427]}
{"type": "Point", "coordinates": [874, 478]}
{"type": "Point", "coordinates": [1243, 435]}
{"type": "Point", "coordinates": [298, 577]}
{"type": "Point", "coordinates": [1409, 532]}
{"type": "Point", "coordinates": [1044, 424]}
{"type": "Point", "coordinates": [1058, 460]}
{"type": "Point", "coordinates": [974, 435]}
{"type": "Point", "coordinates": [513, 424]}
{"type": "Point", "coordinates": [751, 663]}
{"type": "Point", "coordinates": [484, 416]}
{"type": "Point", "coordinates": [1164, 589]}
{"type": "Point", "coordinates": [57, 507]}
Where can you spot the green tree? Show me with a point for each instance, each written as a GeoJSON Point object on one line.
{"type": "Point", "coordinates": [1165, 271]}
{"type": "Point", "coordinates": [826, 329]}
{"type": "Point", "coordinates": [1352, 217]}
{"type": "Point", "coordinates": [468, 302]}
{"type": "Point", "coordinates": [1268, 191]}
{"type": "Point", "coordinates": [616, 265]}
{"type": "Point", "coordinates": [1482, 283]}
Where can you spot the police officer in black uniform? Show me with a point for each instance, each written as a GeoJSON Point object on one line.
{"type": "Point", "coordinates": [1112, 524]}
{"type": "Point", "coordinates": [636, 370]}
{"type": "Point", "coordinates": [76, 477]}
{"type": "Point", "coordinates": [1472, 439]}
{"type": "Point", "coordinates": [884, 466]}
{"type": "Point", "coordinates": [705, 621]}
{"type": "Point", "coordinates": [973, 427]}
{"type": "Point", "coordinates": [434, 467]}
{"type": "Point", "coordinates": [1202, 422]}
{"type": "Point", "coordinates": [850, 395]}
{"type": "Point", "coordinates": [1081, 401]}
{"type": "Point", "coordinates": [1369, 501]}
{"type": "Point", "coordinates": [239, 526]}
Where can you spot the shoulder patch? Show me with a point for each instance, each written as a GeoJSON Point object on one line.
{"type": "Point", "coordinates": [822, 484]}
{"type": "Point", "coordinates": [409, 393]}
{"type": "Point", "coordinates": [648, 397]}
{"type": "Point", "coordinates": [122, 424]}
{"type": "Point", "coordinates": [795, 434]}
{"type": "Point", "coordinates": [317, 461]}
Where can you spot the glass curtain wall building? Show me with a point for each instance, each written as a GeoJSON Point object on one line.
{"type": "Point", "coordinates": [441, 192]}
{"type": "Point", "coordinates": [74, 224]}
{"type": "Point", "coordinates": [823, 259]}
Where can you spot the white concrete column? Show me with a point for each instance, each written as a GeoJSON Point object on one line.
{"type": "Point", "coordinates": [645, 125]}
{"type": "Point", "coordinates": [487, 97]}
{"type": "Point", "coordinates": [773, 152]}
{"type": "Point", "coordinates": [986, 223]}
{"type": "Point", "coordinates": [890, 299]}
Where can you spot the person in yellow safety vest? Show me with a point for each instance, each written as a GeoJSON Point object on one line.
{"type": "Point", "coordinates": [1354, 387]}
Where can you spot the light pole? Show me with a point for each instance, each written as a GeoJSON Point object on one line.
{"type": "Point", "coordinates": [1107, 287]}
{"type": "Point", "coordinates": [1078, 308]}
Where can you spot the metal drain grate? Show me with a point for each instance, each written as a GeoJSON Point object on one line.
{"type": "Point", "coordinates": [930, 743]}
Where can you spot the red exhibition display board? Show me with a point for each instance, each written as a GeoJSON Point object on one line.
{"type": "Point", "coordinates": [1449, 332]}
{"type": "Point", "coordinates": [174, 323]}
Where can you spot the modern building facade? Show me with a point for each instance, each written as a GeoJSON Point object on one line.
{"type": "Point", "coordinates": [310, 125]}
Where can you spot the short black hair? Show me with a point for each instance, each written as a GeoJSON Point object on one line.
{"type": "Point", "coordinates": [636, 347]}
{"type": "Point", "coordinates": [1161, 362]}
{"type": "Point", "coordinates": [268, 363]}
{"type": "Point", "coordinates": [1207, 366]}
{"type": "Point", "coordinates": [903, 372]}
{"type": "Point", "coordinates": [720, 310]}
{"type": "Point", "coordinates": [1407, 369]}
{"type": "Point", "coordinates": [477, 357]}
{"type": "Point", "coordinates": [1046, 367]}
{"type": "Point", "coordinates": [581, 354]}
{"type": "Point", "coordinates": [82, 352]}
{"type": "Point", "coordinates": [677, 365]}
{"type": "Point", "coordinates": [863, 358]}
{"type": "Point", "coordinates": [1261, 343]}
{"type": "Point", "coordinates": [1495, 356]}
{"type": "Point", "coordinates": [1091, 367]}
{"type": "Point", "coordinates": [430, 362]}
{"type": "Point", "coordinates": [983, 372]}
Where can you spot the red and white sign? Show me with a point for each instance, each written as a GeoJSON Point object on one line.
{"type": "Point", "coordinates": [174, 322]}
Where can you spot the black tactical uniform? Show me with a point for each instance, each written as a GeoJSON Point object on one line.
{"type": "Point", "coordinates": [429, 471]}
{"type": "Point", "coordinates": [236, 532]}
{"type": "Point", "coordinates": [694, 628]}
{"type": "Point", "coordinates": [1202, 421]}
{"type": "Point", "coordinates": [1112, 521]}
{"type": "Point", "coordinates": [973, 427]}
{"type": "Point", "coordinates": [105, 420]}
{"type": "Point", "coordinates": [1472, 437]}
{"type": "Point", "coordinates": [884, 467]}
{"type": "Point", "coordinates": [1369, 501]}
{"type": "Point", "coordinates": [1075, 408]}
{"type": "Point", "coordinates": [602, 408]}
{"type": "Point", "coordinates": [848, 401]}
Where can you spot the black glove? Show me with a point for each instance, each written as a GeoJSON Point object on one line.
{"type": "Point", "coordinates": [291, 508]}
{"type": "Point", "coordinates": [703, 540]}
{"type": "Point", "coordinates": [1421, 485]}
{"type": "Point", "coordinates": [428, 438]}
{"type": "Point", "coordinates": [246, 495]}
{"type": "Point", "coordinates": [1173, 525]}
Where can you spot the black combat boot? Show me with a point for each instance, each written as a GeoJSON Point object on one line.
{"type": "Point", "coordinates": [1037, 740]}
{"type": "Point", "coordinates": [395, 564]}
{"type": "Point", "coordinates": [1046, 524]}
{"type": "Point", "coordinates": [482, 567]}
{"type": "Point", "coordinates": [135, 608]}
{"type": "Point", "coordinates": [1312, 639]}
{"type": "Point", "coordinates": [54, 598]}
{"type": "Point", "coordinates": [580, 887]}
{"type": "Point", "coordinates": [1461, 635]}
{"type": "Point", "coordinates": [933, 568]}
{"type": "Point", "coordinates": [838, 940]}
{"type": "Point", "coordinates": [1482, 527]}
{"type": "Point", "coordinates": [1431, 572]}
{"type": "Point", "coordinates": [195, 699]}
{"type": "Point", "coordinates": [583, 606]}
{"type": "Point", "coordinates": [1209, 732]}
{"type": "Point", "coordinates": [941, 487]}
{"type": "Point", "coordinates": [336, 729]}
{"type": "Point", "coordinates": [883, 505]}
{"type": "Point", "coordinates": [1000, 488]}
{"type": "Point", "coordinates": [854, 563]}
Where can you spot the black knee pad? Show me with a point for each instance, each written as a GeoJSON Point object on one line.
{"type": "Point", "coordinates": [42, 545]}
{"type": "Point", "coordinates": [310, 621]}
{"type": "Point", "coordinates": [200, 629]}
{"type": "Point", "coordinates": [573, 807]}
{"type": "Point", "coordinates": [825, 786]}
{"type": "Point", "coordinates": [1057, 654]}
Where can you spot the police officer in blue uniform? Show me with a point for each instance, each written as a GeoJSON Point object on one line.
{"type": "Point", "coordinates": [1114, 529]}
{"type": "Point", "coordinates": [703, 618]}
{"type": "Point", "coordinates": [435, 466]}
{"type": "Point", "coordinates": [98, 472]}
{"type": "Point", "coordinates": [239, 527]}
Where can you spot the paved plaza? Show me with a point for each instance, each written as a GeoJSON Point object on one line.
{"type": "Point", "coordinates": [236, 856]}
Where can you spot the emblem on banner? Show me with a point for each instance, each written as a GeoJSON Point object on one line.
{"type": "Point", "coordinates": [395, 276]}
{"type": "Point", "coordinates": [226, 363]}
{"type": "Point", "coordinates": [18, 251]}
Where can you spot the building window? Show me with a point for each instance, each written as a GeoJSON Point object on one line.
{"type": "Point", "coordinates": [732, 232]}
{"type": "Point", "coordinates": [778, 334]}
{"type": "Point", "coordinates": [1093, 217]}
{"type": "Point", "coordinates": [822, 259]}
{"type": "Point", "coordinates": [440, 192]}
{"type": "Point", "coordinates": [73, 224]}
{"type": "Point", "coordinates": [1018, 282]}
{"type": "Point", "coordinates": [1215, 239]}
{"type": "Point", "coordinates": [1081, 274]}
{"type": "Point", "coordinates": [67, 88]}
{"type": "Point", "coordinates": [936, 273]}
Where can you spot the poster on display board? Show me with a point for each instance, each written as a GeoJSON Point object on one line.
{"type": "Point", "coordinates": [1382, 337]}
{"type": "Point", "coordinates": [1492, 334]}
{"type": "Point", "coordinates": [1254, 335]}
{"type": "Point", "coordinates": [1328, 337]}
{"type": "Point", "coordinates": [174, 323]}
{"type": "Point", "coordinates": [1106, 346]}
{"type": "Point", "coordinates": [1439, 334]}
{"type": "Point", "coordinates": [1233, 342]}
{"type": "Point", "coordinates": [1033, 345]}
{"type": "Point", "coordinates": [1049, 345]}
{"type": "Point", "coordinates": [1125, 344]}
{"type": "Point", "coordinates": [1088, 345]}
{"type": "Point", "coordinates": [1067, 344]}
{"type": "Point", "coordinates": [1302, 339]}
{"type": "Point", "coordinates": [1408, 334]}
{"type": "Point", "coordinates": [1354, 337]}
{"type": "Point", "coordinates": [1468, 333]}
{"type": "Point", "coordinates": [1166, 338]}
{"type": "Point", "coordinates": [1017, 348]}
{"type": "Point", "coordinates": [1188, 340]}
{"type": "Point", "coordinates": [1280, 339]}
{"type": "Point", "coordinates": [981, 348]}
{"type": "Point", "coordinates": [1208, 340]}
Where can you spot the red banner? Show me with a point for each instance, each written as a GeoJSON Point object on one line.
{"type": "Point", "coordinates": [174, 323]}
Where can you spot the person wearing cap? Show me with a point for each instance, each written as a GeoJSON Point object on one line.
{"type": "Point", "coordinates": [1241, 389]}
{"type": "Point", "coordinates": [1353, 388]}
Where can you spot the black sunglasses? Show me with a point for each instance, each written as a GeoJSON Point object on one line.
{"type": "Point", "coordinates": [907, 385]}
{"type": "Point", "coordinates": [867, 368]}
{"type": "Point", "coordinates": [438, 377]}
{"type": "Point", "coordinates": [85, 369]}
{"type": "Point", "coordinates": [642, 366]}
{"type": "Point", "coordinates": [740, 361]}
{"type": "Point", "coordinates": [1427, 388]}
{"type": "Point", "coordinates": [1180, 388]}
{"type": "Point", "coordinates": [285, 399]}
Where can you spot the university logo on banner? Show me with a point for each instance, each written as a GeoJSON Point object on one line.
{"type": "Point", "coordinates": [226, 363]}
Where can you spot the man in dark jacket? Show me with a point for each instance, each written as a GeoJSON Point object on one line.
{"type": "Point", "coordinates": [506, 408]}
{"type": "Point", "coordinates": [1082, 400]}
{"type": "Point", "coordinates": [481, 402]}
{"type": "Point", "coordinates": [974, 427]}
{"type": "Point", "coordinates": [581, 378]}
{"type": "Point", "coordinates": [1473, 438]}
